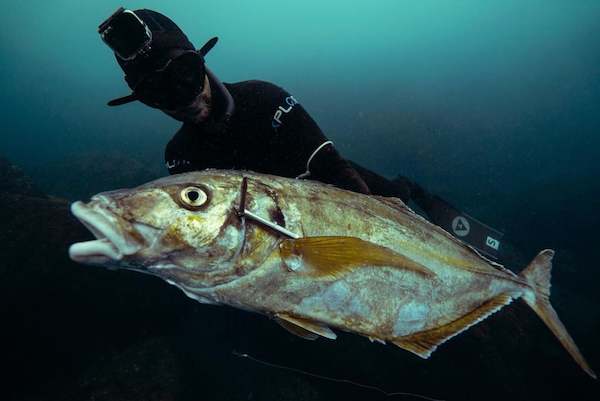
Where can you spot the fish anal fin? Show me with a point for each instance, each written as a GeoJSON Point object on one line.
{"type": "Point", "coordinates": [425, 342]}
{"type": "Point", "coordinates": [333, 257]}
{"type": "Point", "coordinates": [304, 328]}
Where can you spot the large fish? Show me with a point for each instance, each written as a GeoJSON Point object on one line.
{"type": "Point", "coordinates": [311, 256]}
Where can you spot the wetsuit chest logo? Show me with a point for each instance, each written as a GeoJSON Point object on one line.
{"type": "Point", "coordinates": [176, 163]}
{"type": "Point", "coordinates": [281, 110]}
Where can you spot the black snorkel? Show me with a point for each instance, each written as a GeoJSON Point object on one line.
{"type": "Point", "coordinates": [229, 102]}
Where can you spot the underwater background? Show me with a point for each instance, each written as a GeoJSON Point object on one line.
{"type": "Point", "coordinates": [492, 105]}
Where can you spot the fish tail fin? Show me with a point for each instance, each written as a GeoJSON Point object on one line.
{"type": "Point", "coordinates": [537, 274]}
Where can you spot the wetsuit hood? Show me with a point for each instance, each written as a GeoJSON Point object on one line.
{"type": "Point", "coordinates": [166, 36]}
{"type": "Point", "coordinates": [167, 40]}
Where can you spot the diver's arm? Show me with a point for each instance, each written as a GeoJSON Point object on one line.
{"type": "Point", "coordinates": [379, 185]}
{"type": "Point", "coordinates": [301, 134]}
{"type": "Point", "coordinates": [400, 187]}
{"type": "Point", "coordinates": [329, 166]}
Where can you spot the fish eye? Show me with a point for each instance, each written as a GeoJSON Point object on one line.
{"type": "Point", "coordinates": [193, 196]}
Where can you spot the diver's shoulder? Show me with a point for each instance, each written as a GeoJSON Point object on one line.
{"type": "Point", "coordinates": [256, 87]}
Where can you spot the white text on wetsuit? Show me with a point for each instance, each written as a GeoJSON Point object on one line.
{"type": "Point", "coordinates": [276, 122]}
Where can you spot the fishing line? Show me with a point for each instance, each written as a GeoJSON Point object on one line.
{"type": "Point", "coordinates": [234, 352]}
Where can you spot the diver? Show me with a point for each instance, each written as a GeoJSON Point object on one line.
{"type": "Point", "coordinates": [250, 125]}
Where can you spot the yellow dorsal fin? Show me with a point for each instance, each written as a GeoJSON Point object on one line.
{"type": "Point", "coordinates": [304, 327]}
{"type": "Point", "coordinates": [425, 342]}
{"type": "Point", "coordinates": [333, 257]}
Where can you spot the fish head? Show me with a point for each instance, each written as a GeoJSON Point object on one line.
{"type": "Point", "coordinates": [182, 228]}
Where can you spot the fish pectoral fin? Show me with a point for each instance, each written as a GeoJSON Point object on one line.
{"type": "Point", "coordinates": [425, 342]}
{"type": "Point", "coordinates": [304, 328]}
{"type": "Point", "coordinates": [297, 330]}
{"type": "Point", "coordinates": [333, 257]}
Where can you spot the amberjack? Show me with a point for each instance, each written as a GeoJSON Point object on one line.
{"type": "Point", "coordinates": [310, 256]}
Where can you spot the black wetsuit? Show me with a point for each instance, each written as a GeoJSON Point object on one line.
{"type": "Point", "coordinates": [269, 132]}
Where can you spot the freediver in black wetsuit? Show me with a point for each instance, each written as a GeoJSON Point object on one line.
{"type": "Point", "coordinates": [251, 125]}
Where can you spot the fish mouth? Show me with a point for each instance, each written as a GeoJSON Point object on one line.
{"type": "Point", "coordinates": [114, 236]}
